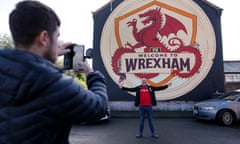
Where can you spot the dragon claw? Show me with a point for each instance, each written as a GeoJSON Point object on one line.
{"type": "Point", "coordinates": [129, 24]}
{"type": "Point", "coordinates": [132, 23]}
{"type": "Point", "coordinates": [128, 45]}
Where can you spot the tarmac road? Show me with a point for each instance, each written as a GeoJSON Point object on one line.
{"type": "Point", "coordinates": [170, 131]}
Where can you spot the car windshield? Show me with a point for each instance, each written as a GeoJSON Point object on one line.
{"type": "Point", "coordinates": [232, 97]}
{"type": "Point", "coordinates": [232, 93]}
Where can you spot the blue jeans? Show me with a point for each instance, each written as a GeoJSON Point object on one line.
{"type": "Point", "coordinates": [149, 111]}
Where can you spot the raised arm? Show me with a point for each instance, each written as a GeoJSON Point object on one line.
{"type": "Point", "coordinates": [68, 101]}
{"type": "Point", "coordinates": [130, 89]}
{"type": "Point", "coordinates": [161, 87]}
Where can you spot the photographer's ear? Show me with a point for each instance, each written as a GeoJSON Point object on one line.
{"type": "Point", "coordinates": [44, 39]}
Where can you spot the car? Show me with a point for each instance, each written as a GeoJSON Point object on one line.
{"type": "Point", "coordinates": [225, 109]}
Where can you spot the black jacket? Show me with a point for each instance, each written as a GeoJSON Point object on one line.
{"type": "Point", "coordinates": [151, 89]}
{"type": "Point", "coordinates": [38, 103]}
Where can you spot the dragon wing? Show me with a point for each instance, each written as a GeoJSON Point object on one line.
{"type": "Point", "coordinates": [172, 25]}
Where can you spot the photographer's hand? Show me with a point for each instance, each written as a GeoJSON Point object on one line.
{"type": "Point", "coordinates": [86, 67]}
{"type": "Point", "coordinates": [62, 49]}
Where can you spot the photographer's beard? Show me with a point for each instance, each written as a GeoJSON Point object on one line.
{"type": "Point", "coordinates": [51, 46]}
{"type": "Point", "coordinates": [51, 54]}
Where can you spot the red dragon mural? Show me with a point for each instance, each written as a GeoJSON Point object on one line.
{"type": "Point", "coordinates": [147, 37]}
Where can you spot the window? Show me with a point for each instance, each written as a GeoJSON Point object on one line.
{"type": "Point", "coordinates": [232, 77]}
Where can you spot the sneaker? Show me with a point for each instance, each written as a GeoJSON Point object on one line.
{"type": "Point", "coordinates": [139, 135]}
{"type": "Point", "coordinates": [155, 136]}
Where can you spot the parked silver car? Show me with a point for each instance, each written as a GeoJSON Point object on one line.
{"type": "Point", "coordinates": [225, 109]}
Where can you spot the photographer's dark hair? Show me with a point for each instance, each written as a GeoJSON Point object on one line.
{"type": "Point", "coordinates": [29, 19]}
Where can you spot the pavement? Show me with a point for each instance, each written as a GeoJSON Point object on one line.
{"type": "Point", "coordinates": [171, 130]}
{"type": "Point", "coordinates": [156, 114]}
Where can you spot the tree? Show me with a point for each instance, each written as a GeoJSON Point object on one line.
{"type": "Point", "coordinates": [6, 41]}
{"type": "Point", "coordinates": [79, 77]}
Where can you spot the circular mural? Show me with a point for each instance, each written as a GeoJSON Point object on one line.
{"type": "Point", "coordinates": [161, 41]}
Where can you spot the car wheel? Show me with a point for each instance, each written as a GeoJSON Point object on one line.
{"type": "Point", "coordinates": [225, 118]}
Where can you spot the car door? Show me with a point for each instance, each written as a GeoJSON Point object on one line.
{"type": "Point", "coordinates": [238, 105]}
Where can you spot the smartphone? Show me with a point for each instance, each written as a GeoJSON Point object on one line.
{"type": "Point", "coordinates": [72, 59]}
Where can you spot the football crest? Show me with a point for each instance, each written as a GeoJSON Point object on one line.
{"type": "Point", "coordinates": [159, 42]}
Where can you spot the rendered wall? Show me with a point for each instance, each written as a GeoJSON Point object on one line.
{"type": "Point", "coordinates": [195, 67]}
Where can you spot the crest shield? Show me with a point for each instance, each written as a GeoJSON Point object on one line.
{"type": "Point", "coordinates": [157, 41]}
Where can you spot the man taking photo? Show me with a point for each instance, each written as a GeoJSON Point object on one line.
{"type": "Point", "coordinates": [38, 103]}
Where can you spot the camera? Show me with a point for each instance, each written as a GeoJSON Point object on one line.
{"type": "Point", "coordinates": [71, 60]}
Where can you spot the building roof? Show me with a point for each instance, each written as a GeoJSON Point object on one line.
{"type": "Point", "coordinates": [231, 66]}
{"type": "Point", "coordinates": [112, 1]}
{"type": "Point", "coordinates": [212, 5]}
{"type": "Point", "coordinates": [109, 4]}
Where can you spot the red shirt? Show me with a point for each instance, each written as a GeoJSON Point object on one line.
{"type": "Point", "coordinates": [145, 97]}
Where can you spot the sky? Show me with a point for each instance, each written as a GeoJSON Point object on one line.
{"type": "Point", "coordinates": [77, 21]}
